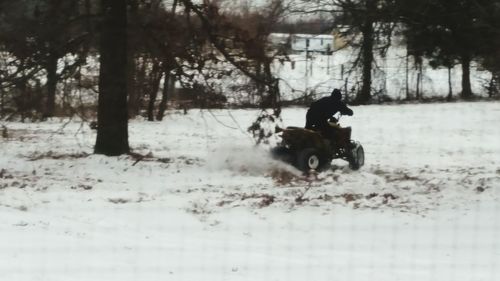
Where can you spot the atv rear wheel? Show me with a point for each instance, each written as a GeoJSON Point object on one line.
{"type": "Point", "coordinates": [283, 154]}
{"type": "Point", "coordinates": [311, 159]}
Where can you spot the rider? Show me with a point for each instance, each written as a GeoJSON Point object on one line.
{"type": "Point", "coordinates": [322, 110]}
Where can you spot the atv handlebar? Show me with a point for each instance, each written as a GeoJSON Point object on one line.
{"type": "Point", "coordinates": [335, 118]}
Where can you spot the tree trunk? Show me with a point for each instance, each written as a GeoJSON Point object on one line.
{"type": "Point", "coordinates": [418, 94]}
{"type": "Point", "coordinates": [140, 85]}
{"type": "Point", "coordinates": [154, 85]}
{"type": "Point", "coordinates": [174, 7]}
{"type": "Point", "coordinates": [272, 100]}
{"type": "Point", "coordinates": [407, 81]}
{"type": "Point", "coordinates": [466, 86]}
{"type": "Point", "coordinates": [493, 89]}
{"type": "Point", "coordinates": [112, 127]}
{"type": "Point", "coordinates": [133, 104]}
{"type": "Point", "coordinates": [132, 89]}
{"type": "Point", "coordinates": [51, 84]}
{"type": "Point", "coordinates": [132, 72]}
{"type": "Point", "coordinates": [450, 89]}
{"type": "Point", "coordinates": [261, 88]}
{"type": "Point", "coordinates": [23, 99]}
{"type": "Point", "coordinates": [164, 95]}
{"type": "Point", "coordinates": [2, 102]}
{"type": "Point", "coordinates": [367, 31]}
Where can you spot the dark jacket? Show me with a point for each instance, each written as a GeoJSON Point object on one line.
{"type": "Point", "coordinates": [323, 109]}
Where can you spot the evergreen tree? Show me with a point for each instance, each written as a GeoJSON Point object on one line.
{"type": "Point", "coordinates": [446, 32]}
{"type": "Point", "coordinates": [40, 33]}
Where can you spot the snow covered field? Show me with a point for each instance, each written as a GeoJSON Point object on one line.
{"type": "Point", "coordinates": [205, 204]}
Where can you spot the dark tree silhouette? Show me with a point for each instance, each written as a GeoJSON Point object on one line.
{"type": "Point", "coordinates": [39, 34]}
{"type": "Point", "coordinates": [450, 32]}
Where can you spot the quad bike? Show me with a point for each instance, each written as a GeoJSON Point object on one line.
{"type": "Point", "coordinates": [310, 150]}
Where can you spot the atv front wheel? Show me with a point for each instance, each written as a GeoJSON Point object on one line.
{"type": "Point", "coordinates": [311, 159]}
{"type": "Point", "coordinates": [357, 157]}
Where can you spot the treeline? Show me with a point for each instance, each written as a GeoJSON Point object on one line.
{"type": "Point", "coordinates": [49, 49]}
{"type": "Point", "coordinates": [444, 32]}
{"type": "Point", "coordinates": [450, 33]}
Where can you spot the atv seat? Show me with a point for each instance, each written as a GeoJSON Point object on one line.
{"type": "Point", "coordinates": [294, 128]}
{"type": "Point", "coordinates": [341, 136]}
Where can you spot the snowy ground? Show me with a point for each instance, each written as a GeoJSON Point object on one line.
{"type": "Point", "coordinates": [206, 205]}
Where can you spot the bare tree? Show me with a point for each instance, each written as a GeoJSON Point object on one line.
{"type": "Point", "coordinates": [367, 26]}
{"type": "Point", "coordinates": [242, 40]}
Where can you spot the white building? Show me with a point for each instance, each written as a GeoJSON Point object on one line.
{"type": "Point", "coordinates": [321, 43]}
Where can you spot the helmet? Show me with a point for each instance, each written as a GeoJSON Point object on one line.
{"type": "Point", "coordinates": [336, 95]}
